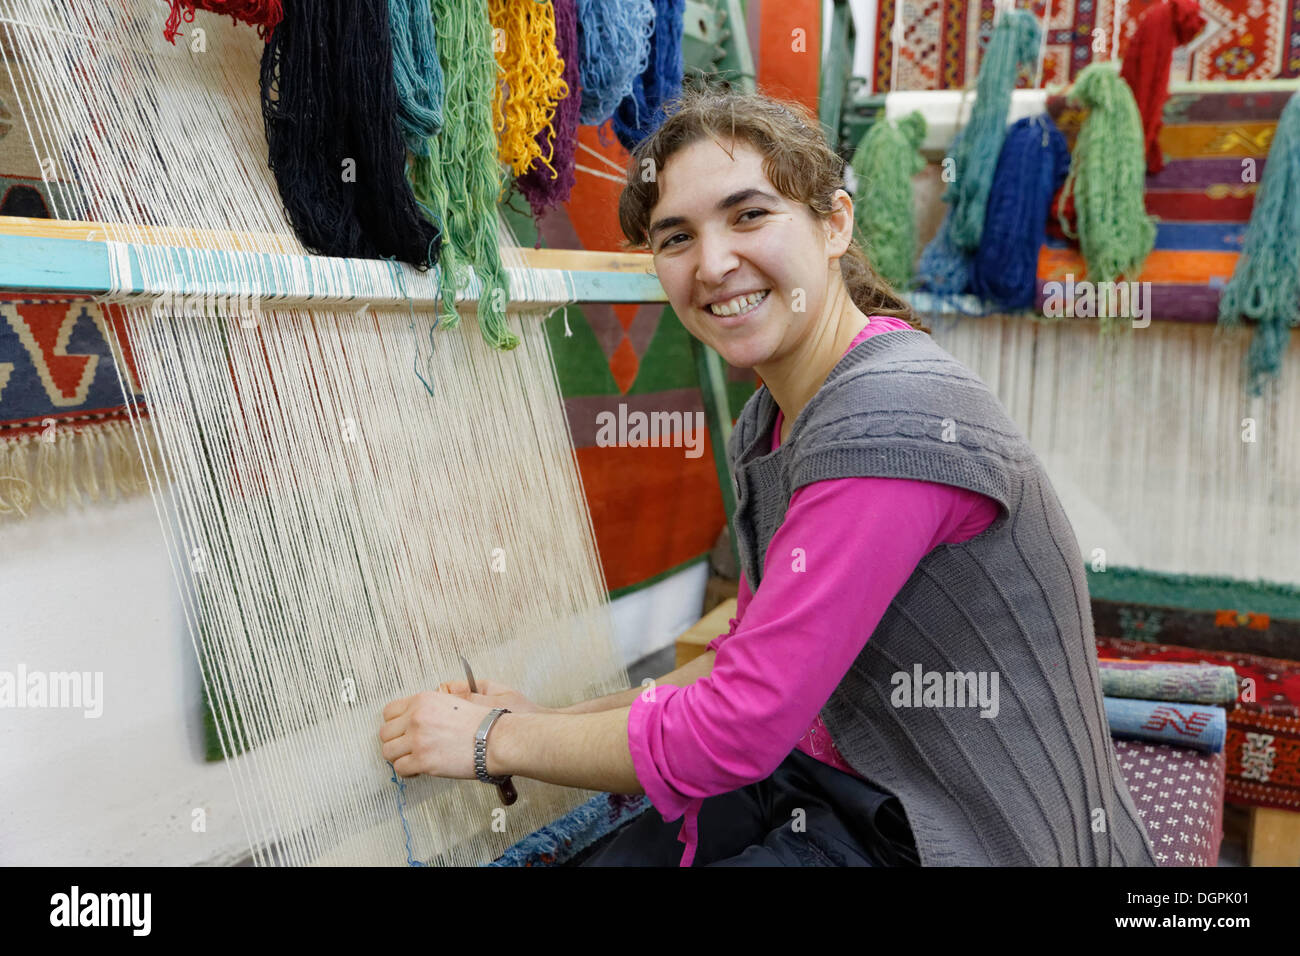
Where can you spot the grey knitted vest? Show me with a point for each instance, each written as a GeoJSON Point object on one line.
{"type": "Point", "coordinates": [1036, 782]}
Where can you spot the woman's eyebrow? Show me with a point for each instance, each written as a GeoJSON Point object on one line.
{"type": "Point", "coordinates": [734, 199]}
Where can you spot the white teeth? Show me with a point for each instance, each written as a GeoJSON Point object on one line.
{"type": "Point", "coordinates": [738, 304]}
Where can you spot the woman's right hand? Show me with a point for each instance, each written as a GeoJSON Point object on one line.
{"type": "Point", "coordinates": [492, 694]}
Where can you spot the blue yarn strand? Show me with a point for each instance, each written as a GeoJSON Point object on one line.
{"type": "Point", "coordinates": [401, 812]}
{"type": "Point", "coordinates": [1265, 285]}
{"type": "Point", "coordinates": [1031, 167]}
{"type": "Point", "coordinates": [615, 43]}
{"type": "Point", "coordinates": [642, 111]}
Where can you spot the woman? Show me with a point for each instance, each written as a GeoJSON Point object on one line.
{"type": "Point", "coordinates": [911, 675]}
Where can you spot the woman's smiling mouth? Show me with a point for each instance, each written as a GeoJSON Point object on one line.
{"type": "Point", "coordinates": [738, 310]}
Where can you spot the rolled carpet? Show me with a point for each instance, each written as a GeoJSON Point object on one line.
{"type": "Point", "coordinates": [1187, 683]}
{"type": "Point", "coordinates": [1199, 726]}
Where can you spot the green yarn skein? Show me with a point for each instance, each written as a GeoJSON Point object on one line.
{"type": "Point", "coordinates": [884, 222]}
{"type": "Point", "coordinates": [1108, 178]}
{"type": "Point", "coordinates": [461, 175]}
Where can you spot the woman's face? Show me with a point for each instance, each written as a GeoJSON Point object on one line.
{"type": "Point", "coordinates": [720, 230]}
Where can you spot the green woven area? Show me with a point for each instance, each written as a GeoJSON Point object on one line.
{"type": "Point", "coordinates": [1195, 593]}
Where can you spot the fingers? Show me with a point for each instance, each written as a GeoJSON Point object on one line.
{"type": "Point", "coordinates": [394, 728]}
{"type": "Point", "coordinates": [405, 766]}
{"type": "Point", "coordinates": [395, 707]}
{"type": "Point", "coordinates": [396, 748]}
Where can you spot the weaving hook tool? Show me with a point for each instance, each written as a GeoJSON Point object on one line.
{"type": "Point", "coordinates": [507, 790]}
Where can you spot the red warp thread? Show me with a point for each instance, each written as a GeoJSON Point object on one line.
{"type": "Point", "coordinates": [1146, 64]}
{"type": "Point", "coordinates": [263, 14]}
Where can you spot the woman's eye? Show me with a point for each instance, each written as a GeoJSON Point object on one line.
{"type": "Point", "coordinates": [756, 212]}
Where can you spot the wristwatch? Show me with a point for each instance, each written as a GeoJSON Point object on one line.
{"type": "Point", "coordinates": [480, 748]}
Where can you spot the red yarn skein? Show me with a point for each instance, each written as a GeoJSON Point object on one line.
{"type": "Point", "coordinates": [1146, 64]}
{"type": "Point", "coordinates": [263, 14]}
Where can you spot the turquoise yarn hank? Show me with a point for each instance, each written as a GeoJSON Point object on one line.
{"type": "Point", "coordinates": [1108, 178]}
{"type": "Point", "coordinates": [883, 164]}
{"type": "Point", "coordinates": [417, 72]}
{"type": "Point", "coordinates": [945, 267]}
{"type": "Point", "coordinates": [615, 43]}
{"type": "Point", "coordinates": [1015, 41]}
{"type": "Point", "coordinates": [1265, 285]}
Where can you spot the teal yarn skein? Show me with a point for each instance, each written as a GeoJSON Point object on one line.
{"type": "Point", "coordinates": [1015, 41]}
{"type": "Point", "coordinates": [1265, 285]}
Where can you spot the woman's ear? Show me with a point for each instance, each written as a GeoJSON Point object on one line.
{"type": "Point", "coordinates": [839, 226]}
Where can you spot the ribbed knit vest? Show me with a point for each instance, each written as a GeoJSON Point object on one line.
{"type": "Point", "coordinates": [1037, 782]}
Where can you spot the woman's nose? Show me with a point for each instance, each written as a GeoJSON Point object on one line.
{"type": "Point", "coordinates": [716, 260]}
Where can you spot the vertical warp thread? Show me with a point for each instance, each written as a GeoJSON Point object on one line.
{"type": "Point", "coordinates": [1265, 285]}
{"type": "Point", "coordinates": [549, 181]}
{"type": "Point", "coordinates": [460, 176]}
{"type": "Point", "coordinates": [329, 104]}
{"type": "Point", "coordinates": [642, 111]}
{"type": "Point", "coordinates": [1032, 165]}
{"type": "Point", "coordinates": [884, 163]}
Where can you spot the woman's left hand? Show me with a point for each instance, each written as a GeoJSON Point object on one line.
{"type": "Point", "coordinates": [432, 732]}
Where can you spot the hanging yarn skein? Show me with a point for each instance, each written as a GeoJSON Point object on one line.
{"type": "Point", "coordinates": [330, 104]}
{"type": "Point", "coordinates": [1108, 180]}
{"type": "Point", "coordinates": [615, 42]}
{"type": "Point", "coordinates": [531, 82]}
{"type": "Point", "coordinates": [460, 176]}
{"type": "Point", "coordinates": [263, 14]}
{"type": "Point", "coordinates": [549, 181]}
{"type": "Point", "coordinates": [1032, 165]}
{"type": "Point", "coordinates": [642, 111]}
{"type": "Point", "coordinates": [944, 266]}
{"type": "Point", "coordinates": [1265, 285]}
{"type": "Point", "coordinates": [1015, 41]}
{"type": "Point", "coordinates": [1146, 64]}
{"type": "Point", "coordinates": [885, 223]}
{"type": "Point", "coordinates": [417, 72]}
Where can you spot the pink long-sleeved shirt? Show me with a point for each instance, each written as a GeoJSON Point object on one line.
{"type": "Point", "coordinates": [827, 582]}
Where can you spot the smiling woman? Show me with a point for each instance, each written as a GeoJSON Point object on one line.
{"type": "Point", "coordinates": [891, 520]}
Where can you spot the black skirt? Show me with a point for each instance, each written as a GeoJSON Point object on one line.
{"type": "Point", "coordinates": [806, 813]}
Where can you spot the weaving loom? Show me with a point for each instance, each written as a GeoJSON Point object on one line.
{"type": "Point", "coordinates": [353, 492]}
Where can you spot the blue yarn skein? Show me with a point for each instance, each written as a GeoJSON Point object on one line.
{"type": "Point", "coordinates": [944, 267]}
{"type": "Point", "coordinates": [1031, 167]}
{"type": "Point", "coordinates": [642, 111]}
{"type": "Point", "coordinates": [417, 72]}
{"type": "Point", "coordinates": [615, 43]}
{"type": "Point", "coordinates": [1015, 41]}
{"type": "Point", "coordinates": [1265, 286]}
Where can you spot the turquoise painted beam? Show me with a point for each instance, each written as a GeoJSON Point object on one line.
{"type": "Point", "coordinates": [115, 269]}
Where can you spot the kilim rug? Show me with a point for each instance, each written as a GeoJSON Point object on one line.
{"type": "Point", "coordinates": [1216, 146]}
{"type": "Point", "coordinates": [1178, 793]}
{"type": "Point", "coordinates": [1262, 749]}
{"type": "Point", "coordinates": [943, 40]}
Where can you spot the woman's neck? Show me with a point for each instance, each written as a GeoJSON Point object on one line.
{"type": "Point", "coordinates": [795, 378]}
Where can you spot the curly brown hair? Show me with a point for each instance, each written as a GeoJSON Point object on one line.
{"type": "Point", "coordinates": [796, 160]}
